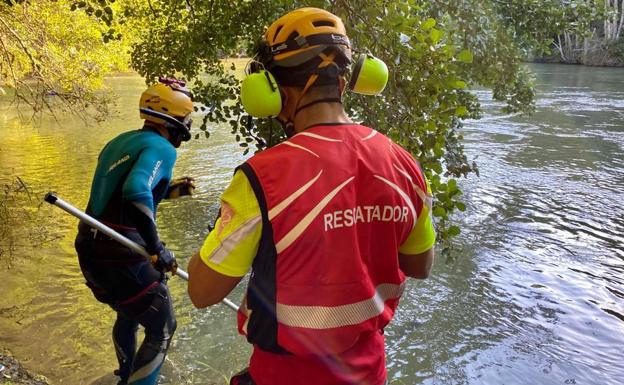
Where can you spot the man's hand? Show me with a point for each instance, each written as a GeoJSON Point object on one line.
{"type": "Point", "coordinates": [164, 260]}
{"type": "Point", "coordinates": [180, 187]}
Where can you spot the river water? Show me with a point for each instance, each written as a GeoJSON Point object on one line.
{"type": "Point", "coordinates": [534, 293]}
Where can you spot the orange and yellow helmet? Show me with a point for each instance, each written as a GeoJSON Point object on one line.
{"type": "Point", "coordinates": [302, 35]}
{"type": "Point", "coordinates": [168, 103]}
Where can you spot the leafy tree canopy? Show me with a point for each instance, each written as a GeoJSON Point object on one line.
{"type": "Point", "coordinates": [436, 51]}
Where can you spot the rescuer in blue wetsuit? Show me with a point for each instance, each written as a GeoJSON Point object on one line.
{"type": "Point", "coordinates": [133, 174]}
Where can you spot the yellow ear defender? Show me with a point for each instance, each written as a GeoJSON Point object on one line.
{"type": "Point", "coordinates": [369, 76]}
{"type": "Point", "coordinates": [260, 95]}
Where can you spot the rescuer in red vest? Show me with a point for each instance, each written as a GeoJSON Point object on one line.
{"type": "Point", "coordinates": [330, 221]}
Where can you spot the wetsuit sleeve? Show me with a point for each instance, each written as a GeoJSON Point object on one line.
{"type": "Point", "coordinates": [422, 237]}
{"type": "Point", "coordinates": [231, 246]}
{"type": "Point", "coordinates": [146, 227]}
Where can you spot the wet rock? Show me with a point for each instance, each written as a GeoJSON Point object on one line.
{"type": "Point", "coordinates": [13, 373]}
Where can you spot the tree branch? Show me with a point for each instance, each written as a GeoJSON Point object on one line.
{"type": "Point", "coordinates": [192, 10]}
{"type": "Point", "coordinates": [149, 2]}
{"type": "Point", "coordinates": [21, 43]}
{"type": "Point", "coordinates": [9, 63]}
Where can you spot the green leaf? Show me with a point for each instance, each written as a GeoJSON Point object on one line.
{"type": "Point", "coordinates": [465, 56]}
{"type": "Point", "coordinates": [454, 231]}
{"type": "Point", "coordinates": [435, 35]}
{"type": "Point", "coordinates": [439, 212]}
{"type": "Point", "coordinates": [461, 111]}
{"type": "Point", "coordinates": [460, 84]}
{"type": "Point", "coordinates": [429, 23]}
{"type": "Point", "coordinates": [460, 206]}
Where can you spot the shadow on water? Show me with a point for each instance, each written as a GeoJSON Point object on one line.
{"type": "Point", "coordinates": [535, 294]}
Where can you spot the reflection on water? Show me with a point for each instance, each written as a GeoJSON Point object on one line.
{"type": "Point", "coordinates": [535, 296]}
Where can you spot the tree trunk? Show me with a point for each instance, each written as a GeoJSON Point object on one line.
{"type": "Point", "coordinates": [560, 46]}
{"type": "Point", "coordinates": [587, 46]}
{"type": "Point", "coordinates": [615, 19]}
{"type": "Point", "coordinates": [606, 21]}
{"type": "Point", "coordinates": [619, 29]}
{"type": "Point", "coordinates": [570, 47]}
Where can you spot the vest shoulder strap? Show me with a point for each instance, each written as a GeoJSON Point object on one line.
{"type": "Point", "coordinates": [262, 289]}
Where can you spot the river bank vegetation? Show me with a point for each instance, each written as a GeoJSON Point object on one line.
{"type": "Point", "coordinates": [55, 54]}
{"type": "Point", "coordinates": [594, 37]}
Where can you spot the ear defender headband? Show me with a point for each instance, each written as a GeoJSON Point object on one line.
{"type": "Point", "coordinates": [261, 96]}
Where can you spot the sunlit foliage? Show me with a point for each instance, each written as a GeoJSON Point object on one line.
{"type": "Point", "coordinates": [53, 56]}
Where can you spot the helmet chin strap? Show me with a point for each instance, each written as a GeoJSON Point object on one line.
{"type": "Point", "coordinates": [178, 131]}
{"type": "Point", "coordinates": [324, 100]}
{"type": "Point", "coordinates": [288, 127]}
{"type": "Point", "coordinates": [175, 136]}
{"type": "Point", "coordinates": [289, 124]}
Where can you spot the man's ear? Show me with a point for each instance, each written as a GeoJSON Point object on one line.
{"type": "Point", "coordinates": [342, 84]}
{"type": "Point", "coordinates": [284, 95]}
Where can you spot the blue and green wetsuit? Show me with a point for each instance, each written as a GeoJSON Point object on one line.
{"type": "Point", "coordinates": [132, 177]}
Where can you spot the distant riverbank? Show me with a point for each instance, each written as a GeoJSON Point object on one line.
{"type": "Point", "coordinates": [596, 53]}
{"type": "Point", "coordinates": [596, 61]}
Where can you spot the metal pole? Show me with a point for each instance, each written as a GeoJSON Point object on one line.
{"type": "Point", "coordinates": [54, 200]}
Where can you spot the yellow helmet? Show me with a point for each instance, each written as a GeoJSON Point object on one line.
{"type": "Point", "coordinates": [168, 103]}
{"type": "Point", "coordinates": [301, 35]}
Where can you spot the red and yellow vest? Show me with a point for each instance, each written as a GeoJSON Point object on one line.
{"type": "Point", "coordinates": [337, 201]}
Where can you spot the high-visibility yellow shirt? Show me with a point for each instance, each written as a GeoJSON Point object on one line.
{"type": "Point", "coordinates": [422, 237]}
{"type": "Point", "coordinates": [232, 245]}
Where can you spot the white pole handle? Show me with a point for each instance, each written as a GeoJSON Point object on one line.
{"type": "Point", "coordinates": [54, 200]}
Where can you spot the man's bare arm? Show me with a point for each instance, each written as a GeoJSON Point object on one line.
{"type": "Point", "coordinates": [207, 287]}
{"type": "Point", "coordinates": [417, 265]}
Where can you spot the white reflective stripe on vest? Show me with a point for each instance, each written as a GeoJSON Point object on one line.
{"type": "Point", "coordinates": [327, 317]}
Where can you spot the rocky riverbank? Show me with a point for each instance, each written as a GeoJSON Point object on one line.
{"type": "Point", "coordinates": [13, 373]}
